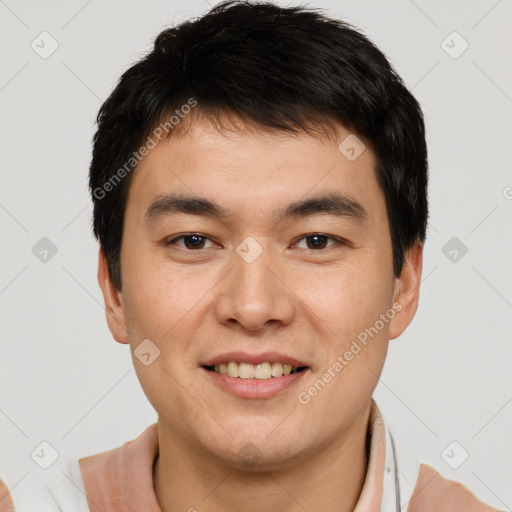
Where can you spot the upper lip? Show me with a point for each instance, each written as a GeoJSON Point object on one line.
{"type": "Point", "coordinates": [262, 357]}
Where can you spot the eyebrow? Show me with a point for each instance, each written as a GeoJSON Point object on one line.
{"type": "Point", "coordinates": [339, 205]}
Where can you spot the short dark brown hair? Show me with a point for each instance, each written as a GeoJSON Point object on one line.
{"type": "Point", "coordinates": [284, 69]}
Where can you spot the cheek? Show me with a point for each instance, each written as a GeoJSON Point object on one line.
{"type": "Point", "coordinates": [348, 300]}
{"type": "Point", "coordinates": [146, 308]}
{"type": "Point", "coordinates": [168, 310]}
{"type": "Point", "coordinates": [156, 300]}
{"type": "Point", "coordinates": [355, 350]}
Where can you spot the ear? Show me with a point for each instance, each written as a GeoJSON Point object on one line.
{"type": "Point", "coordinates": [407, 291]}
{"type": "Point", "coordinates": [114, 309]}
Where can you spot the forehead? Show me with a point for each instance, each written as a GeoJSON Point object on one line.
{"type": "Point", "coordinates": [255, 168]}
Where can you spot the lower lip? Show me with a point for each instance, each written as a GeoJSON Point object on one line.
{"type": "Point", "coordinates": [255, 388]}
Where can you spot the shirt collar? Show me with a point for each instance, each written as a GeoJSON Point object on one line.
{"type": "Point", "coordinates": [122, 479]}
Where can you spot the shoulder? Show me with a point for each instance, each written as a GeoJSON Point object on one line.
{"type": "Point", "coordinates": [85, 478]}
{"type": "Point", "coordinates": [61, 493]}
{"type": "Point", "coordinates": [421, 488]}
{"type": "Point", "coordinates": [6, 504]}
{"type": "Point", "coordinates": [434, 493]}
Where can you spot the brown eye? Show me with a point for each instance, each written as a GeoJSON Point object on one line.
{"type": "Point", "coordinates": [192, 242]}
{"type": "Point", "coordinates": [318, 241]}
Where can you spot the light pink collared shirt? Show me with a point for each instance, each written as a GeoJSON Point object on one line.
{"type": "Point", "coordinates": [121, 480]}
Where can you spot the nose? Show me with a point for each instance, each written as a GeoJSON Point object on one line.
{"type": "Point", "coordinates": [254, 295]}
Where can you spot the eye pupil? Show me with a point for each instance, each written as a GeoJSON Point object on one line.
{"type": "Point", "coordinates": [315, 241]}
{"type": "Point", "coordinates": [193, 241]}
{"type": "Point", "coordinates": [318, 240]}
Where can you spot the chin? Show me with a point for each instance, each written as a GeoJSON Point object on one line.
{"type": "Point", "coordinates": [260, 450]}
{"type": "Point", "coordinates": [251, 458]}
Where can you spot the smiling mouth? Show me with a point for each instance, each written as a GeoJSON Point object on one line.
{"type": "Point", "coordinates": [262, 371]}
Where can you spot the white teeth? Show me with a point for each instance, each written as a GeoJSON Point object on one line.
{"type": "Point", "coordinates": [232, 369]}
{"type": "Point", "coordinates": [277, 369]}
{"type": "Point", "coordinates": [246, 371]}
{"type": "Point", "coordinates": [262, 371]}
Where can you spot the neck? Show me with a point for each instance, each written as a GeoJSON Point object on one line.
{"type": "Point", "coordinates": [186, 480]}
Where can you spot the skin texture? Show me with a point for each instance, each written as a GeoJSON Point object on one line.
{"type": "Point", "coordinates": [306, 302]}
{"type": "Point", "coordinates": [433, 493]}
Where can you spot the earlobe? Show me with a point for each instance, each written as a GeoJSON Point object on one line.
{"type": "Point", "coordinates": [407, 290]}
{"type": "Point", "coordinates": [114, 309]}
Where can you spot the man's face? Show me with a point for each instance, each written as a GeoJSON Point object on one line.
{"type": "Point", "coordinates": [260, 283]}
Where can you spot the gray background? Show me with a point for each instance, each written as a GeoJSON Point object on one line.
{"type": "Point", "coordinates": [62, 377]}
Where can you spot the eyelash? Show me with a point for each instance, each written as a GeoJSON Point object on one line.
{"type": "Point", "coordinates": [337, 240]}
